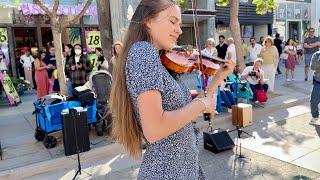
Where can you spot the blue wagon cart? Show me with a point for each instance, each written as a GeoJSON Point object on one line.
{"type": "Point", "coordinates": [48, 117]}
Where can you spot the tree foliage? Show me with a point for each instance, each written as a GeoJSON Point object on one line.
{"type": "Point", "coordinates": [262, 6]}
{"type": "Point", "coordinates": [182, 3]}
{"type": "Point", "coordinates": [57, 24]}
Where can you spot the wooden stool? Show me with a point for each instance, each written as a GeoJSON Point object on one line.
{"type": "Point", "coordinates": [242, 114]}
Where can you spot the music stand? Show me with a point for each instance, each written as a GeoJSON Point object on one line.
{"type": "Point", "coordinates": [238, 128]}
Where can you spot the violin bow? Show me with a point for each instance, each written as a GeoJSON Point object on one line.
{"type": "Point", "coordinates": [207, 116]}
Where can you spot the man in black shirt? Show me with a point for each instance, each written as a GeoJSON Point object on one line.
{"type": "Point", "coordinates": [222, 47]}
{"type": "Point", "coordinates": [277, 42]}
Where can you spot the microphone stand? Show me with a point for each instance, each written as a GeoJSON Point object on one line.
{"type": "Point", "coordinates": [238, 128]}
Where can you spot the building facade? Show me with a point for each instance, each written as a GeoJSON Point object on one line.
{"type": "Point", "coordinates": [252, 24]}
{"type": "Point", "coordinates": [293, 18]}
{"type": "Point", "coordinates": [23, 24]}
{"type": "Point", "coordinates": [315, 16]}
{"type": "Point", "coordinates": [122, 11]}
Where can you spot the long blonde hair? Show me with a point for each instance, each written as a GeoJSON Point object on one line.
{"type": "Point", "coordinates": [125, 127]}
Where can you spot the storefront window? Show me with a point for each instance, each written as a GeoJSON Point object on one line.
{"type": "Point", "coordinates": [247, 31]}
{"type": "Point", "coordinates": [305, 26]}
{"type": "Point", "coordinates": [24, 38]}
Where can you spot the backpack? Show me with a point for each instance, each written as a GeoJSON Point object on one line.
{"type": "Point", "coordinates": [261, 95]}
{"type": "Point", "coordinates": [86, 97]}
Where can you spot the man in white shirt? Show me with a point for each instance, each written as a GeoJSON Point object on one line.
{"type": "Point", "coordinates": [254, 50]}
{"type": "Point", "coordinates": [254, 75]}
{"type": "Point", "coordinates": [26, 60]}
{"type": "Point", "coordinates": [231, 51]}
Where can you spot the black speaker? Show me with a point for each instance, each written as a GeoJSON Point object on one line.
{"type": "Point", "coordinates": [75, 131]}
{"type": "Point", "coordinates": [217, 142]}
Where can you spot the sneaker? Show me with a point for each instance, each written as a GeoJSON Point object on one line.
{"type": "Point", "coordinates": [293, 79]}
{"type": "Point", "coordinates": [313, 121]}
{"type": "Point", "coordinates": [306, 79]}
{"type": "Point", "coordinates": [288, 80]}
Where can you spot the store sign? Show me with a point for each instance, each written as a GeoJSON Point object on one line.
{"type": "Point", "coordinates": [4, 43]}
{"type": "Point", "coordinates": [93, 40]}
{"type": "Point", "coordinates": [8, 87]}
{"type": "Point", "coordinates": [3, 36]}
{"type": "Point", "coordinates": [33, 9]}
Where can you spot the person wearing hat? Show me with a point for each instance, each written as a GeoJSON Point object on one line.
{"type": "Point", "coordinates": [41, 74]}
{"type": "Point", "coordinates": [26, 60]}
{"type": "Point", "coordinates": [254, 75]}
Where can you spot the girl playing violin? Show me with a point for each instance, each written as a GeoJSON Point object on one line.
{"type": "Point", "coordinates": [148, 102]}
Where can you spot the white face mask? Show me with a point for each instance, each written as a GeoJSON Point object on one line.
{"type": "Point", "coordinates": [77, 51]}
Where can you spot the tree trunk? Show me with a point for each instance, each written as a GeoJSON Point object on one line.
{"type": "Point", "coordinates": [56, 32]}
{"type": "Point", "coordinates": [104, 17]}
{"type": "Point", "coordinates": [235, 31]}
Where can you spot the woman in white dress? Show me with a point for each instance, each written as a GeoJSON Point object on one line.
{"type": "Point", "coordinates": [210, 48]}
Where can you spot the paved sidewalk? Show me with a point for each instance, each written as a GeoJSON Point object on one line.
{"type": "Point", "coordinates": [272, 156]}
{"type": "Point", "coordinates": [284, 147]}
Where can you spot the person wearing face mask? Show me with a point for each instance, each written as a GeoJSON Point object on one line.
{"type": "Point", "coordinates": [77, 66]}
{"type": "Point", "coordinates": [26, 60]}
{"type": "Point", "coordinates": [41, 74]}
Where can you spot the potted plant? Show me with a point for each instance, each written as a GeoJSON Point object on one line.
{"type": "Point", "coordinates": [20, 85]}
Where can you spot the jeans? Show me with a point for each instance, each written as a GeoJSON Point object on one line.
{"type": "Point", "coordinates": [315, 99]}
{"type": "Point", "coordinates": [254, 90]}
{"type": "Point", "coordinates": [307, 59]}
{"type": "Point", "coordinates": [227, 98]}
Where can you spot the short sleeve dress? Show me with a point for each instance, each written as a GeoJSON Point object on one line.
{"type": "Point", "coordinates": [176, 156]}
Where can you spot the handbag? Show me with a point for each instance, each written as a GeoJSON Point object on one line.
{"type": "Point", "coordinates": [284, 56]}
{"type": "Point", "coordinates": [261, 95]}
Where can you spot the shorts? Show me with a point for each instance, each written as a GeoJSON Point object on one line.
{"type": "Point", "coordinates": [307, 59]}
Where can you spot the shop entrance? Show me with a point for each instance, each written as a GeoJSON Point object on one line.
{"type": "Point", "coordinates": [294, 30]}
{"type": "Point", "coordinates": [47, 38]}
{"type": "Point", "coordinates": [24, 38]}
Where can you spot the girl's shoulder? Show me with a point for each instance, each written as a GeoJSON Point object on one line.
{"type": "Point", "coordinates": [142, 46]}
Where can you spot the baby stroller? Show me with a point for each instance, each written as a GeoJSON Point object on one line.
{"type": "Point", "coordinates": [101, 84]}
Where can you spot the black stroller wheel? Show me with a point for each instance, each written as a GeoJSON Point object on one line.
{"type": "Point", "coordinates": [99, 128]}
{"type": "Point", "coordinates": [50, 142]}
{"type": "Point", "coordinates": [39, 134]}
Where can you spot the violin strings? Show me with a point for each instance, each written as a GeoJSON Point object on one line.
{"type": "Point", "coordinates": [197, 46]}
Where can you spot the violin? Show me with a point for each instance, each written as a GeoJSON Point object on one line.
{"type": "Point", "coordinates": [179, 62]}
{"type": "Point", "coordinates": [210, 65]}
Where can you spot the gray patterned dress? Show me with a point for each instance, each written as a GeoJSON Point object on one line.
{"type": "Point", "coordinates": [176, 156]}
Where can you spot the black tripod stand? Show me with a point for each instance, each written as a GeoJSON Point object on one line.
{"type": "Point", "coordinates": [238, 128]}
